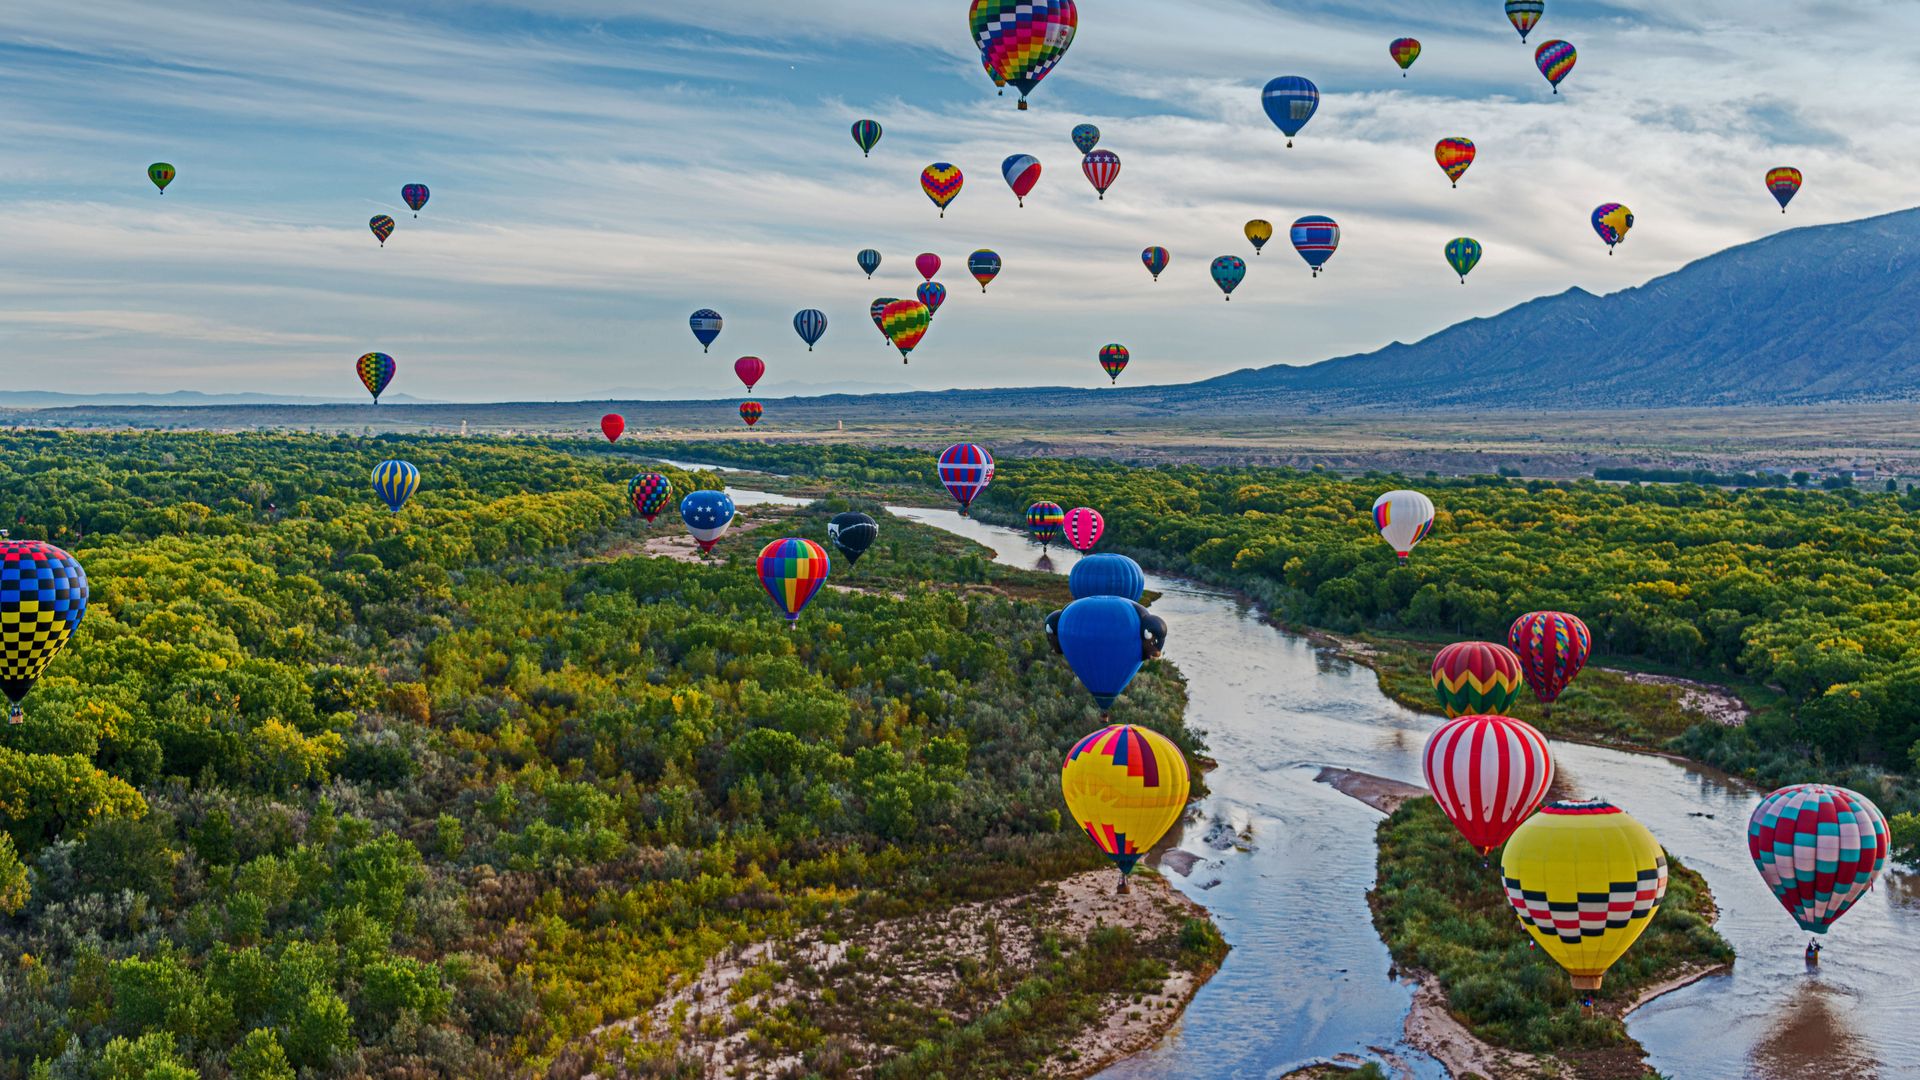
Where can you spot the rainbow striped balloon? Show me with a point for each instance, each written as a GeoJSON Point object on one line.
{"type": "Point", "coordinates": [1555, 59]}
{"type": "Point", "coordinates": [1044, 521]}
{"type": "Point", "coordinates": [1476, 678]}
{"type": "Point", "coordinates": [792, 571]}
{"type": "Point", "coordinates": [1020, 41]}
{"type": "Point", "coordinates": [1454, 155]}
{"type": "Point", "coordinates": [942, 182]}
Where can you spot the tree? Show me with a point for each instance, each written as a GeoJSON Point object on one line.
{"type": "Point", "coordinates": [259, 1056]}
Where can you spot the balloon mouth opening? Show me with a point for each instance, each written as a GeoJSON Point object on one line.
{"type": "Point", "coordinates": [1586, 982]}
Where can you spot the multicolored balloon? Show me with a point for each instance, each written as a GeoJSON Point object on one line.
{"type": "Point", "coordinates": [1085, 138]}
{"type": "Point", "coordinates": [984, 265]}
{"type": "Point", "coordinates": [1290, 102]}
{"type": "Point", "coordinates": [376, 371]}
{"type": "Point", "coordinates": [1612, 221]}
{"type": "Point", "coordinates": [1107, 574]}
{"type": "Point", "coordinates": [161, 174]}
{"type": "Point", "coordinates": [1404, 519]}
{"type": "Point", "coordinates": [749, 369]}
{"type": "Point", "coordinates": [1563, 857]}
{"type": "Point", "coordinates": [415, 196]}
{"type": "Point", "coordinates": [905, 323]}
{"type": "Point", "coordinates": [1021, 171]}
{"type": "Point", "coordinates": [1476, 678]}
{"type": "Point", "coordinates": [853, 533]}
{"type": "Point", "coordinates": [1524, 14]}
{"type": "Point", "coordinates": [792, 570]}
{"type": "Point", "coordinates": [613, 425]}
{"type": "Point", "coordinates": [1102, 168]}
{"type": "Point", "coordinates": [1084, 526]}
{"type": "Point", "coordinates": [1228, 271]}
{"type": "Point", "coordinates": [1819, 849]}
{"type": "Point", "coordinates": [1404, 52]}
{"type": "Point", "coordinates": [649, 493]}
{"type": "Point", "coordinates": [966, 470]}
{"type": "Point", "coordinates": [1555, 59]}
{"type": "Point", "coordinates": [706, 324]}
{"type": "Point", "coordinates": [1784, 182]}
{"type": "Point", "coordinates": [382, 227]}
{"type": "Point", "coordinates": [395, 482]}
{"type": "Point", "coordinates": [869, 261]}
{"type": "Point", "coordinates": [1259, 231]}
{"type": "Point", "coordinates": [1044, 520]}
{"type": "Point", "coordinates": [1316, 237]}
{"type": "Point", "coordinates": [866, 135]}
{"type": "Point", "coordinates": [928, 264]}
{"type": "Point", "coordinates": [1105, 640]}
{"type": "Point", "coordinates": [1454, 154]}
{"type": "Point", "coordinates": [1020, 41]}
{"type": "Point", "coordinates": [1156, 260]}
{"type": "Point", "coordinates": [1488, 773]}
{"type": "Point", "coordinates": [942, 183]}
{"type": "Point", "coordinates": [1463, 254]}
{"type": "Point", "coordinates": [43, 597]}
{"type": "Point", "coordinates": [1113, 360]}
{"type": "Point", "coordinates": [707, 515]}
{"type": "Point", "coordinates": [1125, 787]}
{"type": "Point", "coordinates": [811, 325]}
{"type": "Point", "coordinates": [879, 312]}
{"type": "Point", "coordinates": [933, 294]}
{"type": "Point", "coordinates": [1552, 646]}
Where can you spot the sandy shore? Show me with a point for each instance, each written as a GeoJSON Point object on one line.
{"type": "Point", "coordinates": [1378, 792]}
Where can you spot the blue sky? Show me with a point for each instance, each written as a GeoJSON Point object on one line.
{"type": "Point", "coordinates": [602, 168]}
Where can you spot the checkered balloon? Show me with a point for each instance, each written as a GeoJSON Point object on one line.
{"type": "Point", "coordinates": [43, 595]}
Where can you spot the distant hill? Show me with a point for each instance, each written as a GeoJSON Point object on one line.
{"type": "Point", "coordinates": [48, 399]}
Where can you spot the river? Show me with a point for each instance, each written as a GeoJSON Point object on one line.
{"type": "Point", "coordinates": [1286, 863]}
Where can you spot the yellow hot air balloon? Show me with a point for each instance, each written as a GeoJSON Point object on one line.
{"type": "Point", "coordinates": [1585, 879]}
{"type": "Point", "coordinates": [1259, 231]}
{"type": "Point", "coordinates": [1126, 786]}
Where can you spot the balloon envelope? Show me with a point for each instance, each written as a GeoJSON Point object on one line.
{"type": "Point", "coordinates": [707, 515]}
{"type": "Point", "coordinates": [1611, 221]}
{"type": "Point", "coordinates": [43, 597]}
{"type": "Point", "coordinates": [1021, 171]}
{"type": "Point", "coordinates": [1020, 41]}
{"type": "Point", "coordinates": [853, 533]}
{"type": "Point", "coordinates": [928, 264]}
{"type": "Point", "coordinates": [984, 265]}
{"type": "Point", "coordinates": [933, 294]}
{"type": "Point", "coordinates": [1819, 849]}
{"type": "Point", "coordinates": [792, 570]}
{"type": "Point", "coordinates": [866, 135]}
{"type": "Point", "coordinates": [1102, 168]}
{"type": "Point", "coordinates": [1784, 182]}
{"type": "Point", "coordinates": [161, 174]}
{"type": "Point", "coordinates": [1105, 640]}
{"type": "Point", "coordinates": [1561, 860]}
{"type": "Point", "coordinates": [613, 425]}
{"type": "Point", "coordinates": [966, 470]}
{"type": "Point", "coordinates": [1125, 786]}
{"type": "Point", "coordinates": [1463, 254]}
{"type": "Point", "coordinates": [869, 260]}
{"type": "Point", "coordinates": [1290, 102]}
{"type": "Point", "coordinates": [879, 311]}
{"type": "Point", "coordinates": [811, 325]}
{"type": "Point", "coordinates": [1083, 527]}
{"type": "Point", "coordinates": [649, 493]}
{"type": "Point", "coordinates": [382, 227]}
{"type": "Point", "coordinates": [1259, 231]}
{"type": "Point", "coordinates": [706, 324]}
{"type": "Point", "coordinates": [1404, 519]}
{"type": "Point", "coordinates": [750, 412]}
{"type": "Point", "coordinates": [395, 482]}
{"type": "Point", "coordinates": [1454, 155]}
{"type": "Point", "coordinates": [376, 371]}
{"type": "Point", "coordinates": [749, 369]}
{"type": "Point", "coordinates": [1316, 237]}
{"type": "Point", "coordinates": [1107, 574]}
{"type": "Point", "coordinates": [1404, 52]}
{"type": "Point", "coordinates": [1555, 59]}
{"type": "Point", "coordinates": [1043, 522]}
{"type": "Point", "coordinates": [1552, 646]}
{"type": "Point", "coordinates": [942, 182]}
{"type": "Point", "coordinates": [1086, 137]}
{"type": "Point", "coordinates": [1524, 14]}
{"type": "Point", "coordinates": [1113, 360]}
{"type": "Point", "coordinates": [1476, 678]}
{"type": "Point", "coordinates": [1488, 773]}
{"type": "Point", "coordinates": [905, 323]}
{"type": "Point", "coordinates": [1228, 270]}
{"type": "Point", "coordinates": [1156, 260]}
{"type": "Point", "coordinates": [415, 196]}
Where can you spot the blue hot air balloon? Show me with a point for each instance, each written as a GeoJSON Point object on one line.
{"type": "Point", "coordinates": [706, 326]}
{"type": "Point", "coordinates": [1316, 237]}
{"type": "Point", "coordinates": [1228, 270]}
{"type": "Point", "coordinates": [869, 261]}
{"type": "Point", "coordinates": [1105, 640]}
{"type": "Point", "coordinates": [810, 325]}
{"type": "Point", "coordinates": [1107, 575]}
{"type": "Point", "coordinates": [395, 482]}
{"type": "Point", "coordinates": [1085, 138]}
{"type": "Point", "coordinates": [1290, 102]}
{"type": "Point", "coordinates": [707, 515]}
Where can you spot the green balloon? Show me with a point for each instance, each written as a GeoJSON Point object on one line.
{"type": "Point", "coordinates": [161, 174]}
{"type": "Point", "coordinates": [1463, 254]}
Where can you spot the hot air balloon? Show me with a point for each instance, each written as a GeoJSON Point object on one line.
{"type": "Point", "coordinates": [879, 314]}
{"type": "Point", "coordinates": [613, 425]}
{"type": "Point", "coordinates": [1611, 221]}
{"type": "Point", "coordinates": [942, 183]}
{"type": "Point", "coordinates": [43, 597]}
{"type": "Point", "coordinates": [1454, 155]}
{"type": "Point", "coordinates": [1083, 527]}
{"type": "Point", "coordinates": [161, 174]}
{"type": "Point", "coordinates": [376, 371]}
{"type": "Point", "coordinates": [984, 265]}
{"type": "Point", "coordinates": [1022, 171]}
{"type": "Point", "coordinates": [1476, 678]}
{"type": "Point", "coordinates": [1290, 102]}
{"type": "Point", "coordinates": [749, 369]}
{"type": "Point", "coordinates": [1316, 237]}
{"type": "Point", "coordinates": [905, 323]}
{"type": "Point", "coordinates": [1113, 360]}
{"type": "Point", "coordinates": [853, 533]}
{"type": "Point", "coordinates": [1552, 646]}
{"type": "Point", "coordinates": [395, 482]}
{"type": "Point", "coordinates": [1105, 640]}
{"type": "Point", "coordinates": [1086, 137]}
{"type": "Point", "coordinates": [1463, 254]}
{"type": "Point", "coordinates": [1043, 522]}
{"type": "Point", "coordinates": [1156, 260]}
{"type": "Point", "coordinates": [1585, 880]}
{"type": "Point", "coordinates": [706, 325]}
{"type": "Point", "coordinates": [1125, 786]}
{"type": "Point", "coordinates": [1555, 59]}
{"type": "Point", "coordinates": [1523, 14]}
{"type": "Point", "coordinates": [928, 264]}
{"type": "Point", "coordinates": [1784, 182]}
{"type": "Point", "coordinates": [750, 412]}
{"type": "Point", "coordinates": [648, 494]}
{"type": "Point", "coordinates": [866, 135]}
{"type": "Point", "coordinates": [1259, 231]}
{"type": "Point", "coordinates": [792, 570]}
{"type": "Point", "coordinates": [1404, 518]}
{"type": "Point", "coordinates": [1404, 52]}
{"type": "Point", "coordinates": [869, 261]}
{"type": "Point", "coordinates": [1228, 270]}
{"type": "Point", "coordinates": [1819, 849]}
{"type": "Point", "coordinates": [1107, 574]}
{"type": "Point", "coordinates": [1488, 773]}
{"type": "Point", "coordinates": [707, 515]}
{"type": "Point", "coordinates": [933, 294]}
{"type": "Point", "coordinates": [1102, 168]}
{"type": "Point", "coordinates": [415, 196]}
{"type": "Point", "coordinates": [966, 470]}
{"type": "Point", "coordinates": [1021, 40]}
{"type": "Point", "coordinates": [382, 227]}
{"type": "Point", "coordinates": [811, 325]}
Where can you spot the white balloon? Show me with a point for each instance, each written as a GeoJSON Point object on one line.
{"type": "Point", "coordinates": [1405, 518]}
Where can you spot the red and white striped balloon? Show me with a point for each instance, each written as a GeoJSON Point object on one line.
{"type": "Point", "coordinates": [1488, 773]}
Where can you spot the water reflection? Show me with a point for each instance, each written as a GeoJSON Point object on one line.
{"type": "Point", "coordinates": [1811, 1036]}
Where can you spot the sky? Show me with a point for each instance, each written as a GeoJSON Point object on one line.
{"type": "Point", "coordinates": [602, 168]}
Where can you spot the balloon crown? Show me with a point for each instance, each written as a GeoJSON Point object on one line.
{"type": "Point", "coordinates": [1581, 806]}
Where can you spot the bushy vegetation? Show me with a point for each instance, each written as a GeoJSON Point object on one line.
{"type": "Point", "coordinates": [322, 790]}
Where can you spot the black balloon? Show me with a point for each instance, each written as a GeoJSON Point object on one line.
{"type": "Point", "coordinates": [853, 534]}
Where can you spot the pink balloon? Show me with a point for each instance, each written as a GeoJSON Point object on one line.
{"type": "Point", "coordinates": [1083, 527]}
{"type": "Point", "coordinates": [928, 264]}
{"type": "Point", "coordinates": [749, 368]}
